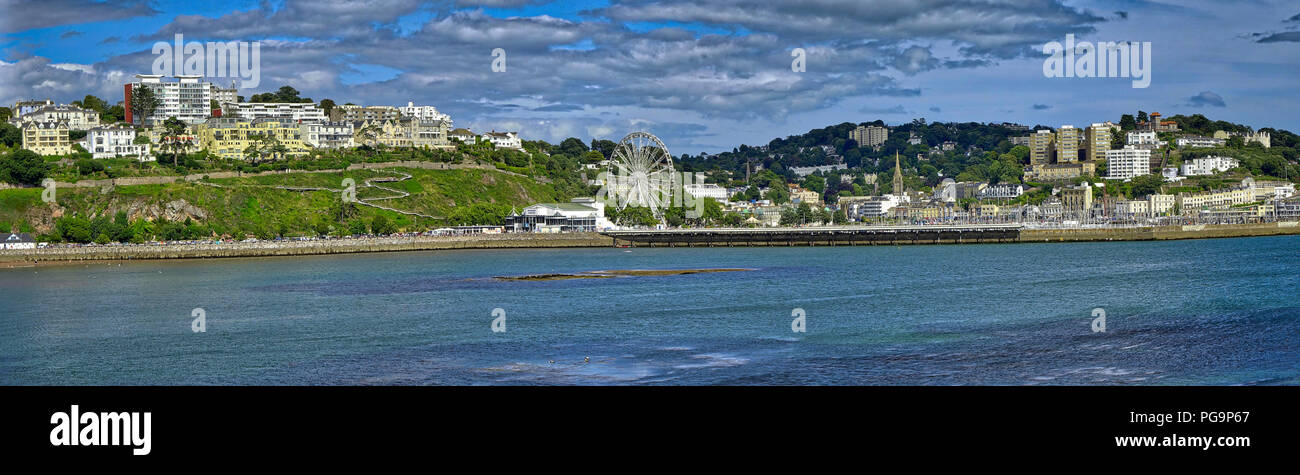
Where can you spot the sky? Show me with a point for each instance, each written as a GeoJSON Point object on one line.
{"type": "Point", "coordinates": [704, 76]}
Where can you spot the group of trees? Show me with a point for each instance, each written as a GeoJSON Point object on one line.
{"type": "Point", "coordinates": [102, 229]}
{"type": "Point", "coordinates": [22, 167]}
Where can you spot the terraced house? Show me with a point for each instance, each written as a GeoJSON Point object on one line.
{"type": "Point", "coordinates": [268, 139]}
{"type": "Point", "coordinates": [47, 138]}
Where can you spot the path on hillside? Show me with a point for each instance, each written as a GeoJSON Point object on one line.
{"type": "Point", "coordinates": [367, 183]}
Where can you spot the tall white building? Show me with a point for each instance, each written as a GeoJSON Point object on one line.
{"type": "Point", "coordinates": [187, 98]}
{"type": "Point", "coordinates": [1127, 162]}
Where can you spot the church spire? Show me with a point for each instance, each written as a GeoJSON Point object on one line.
{"type": "Point", "coordinates": [898, 176]}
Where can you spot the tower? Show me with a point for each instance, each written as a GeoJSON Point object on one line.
{"type": "Point", "coordinates": [898, 176]}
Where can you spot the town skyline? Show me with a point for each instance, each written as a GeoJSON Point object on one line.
{"type": "Point", "coordinates": [719, 80]}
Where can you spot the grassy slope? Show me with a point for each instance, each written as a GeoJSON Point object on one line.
{"type": "Point", "coordinates": [261, 210]}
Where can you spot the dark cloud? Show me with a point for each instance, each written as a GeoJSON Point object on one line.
{"type": "Point", "coordinates": [935, 109]}
{"type": "Point", "coordinates": [1041, 107]}
{"type": "Point", "coordinates": [558, 108]}
{"type": "Point", "coordinates": [1290, 36]}
{"type": "Point", "coordinates": [23, 15]}
{"type": "Point", "coordinates": [70, 34]}
{"type": "Point", "coordinates": [110, 40]}
{"type": "Point", "coordinates": [994, 29]}
{"type": "Point", "coordinates": [1206, 99]}
{"type": "Point", "coordinates": [499, 3]}
{"type": "Point", "coordinates": [297, 18]}
{"type": "Point", "coordinates": [896, 110]}
{"type": "Point", "coordinates": [1121, 14]}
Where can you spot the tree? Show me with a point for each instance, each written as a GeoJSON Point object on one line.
{"type": "Point", "coordinates": [10, 135]}
{"type": "Point", "coordinates": [1126, 122]}
{"type": "Point", "coordinates": [5, 114]}
{"type": "Point", "coordinates": [24, 167]}
{"type": "Point", "coordinates": [74, 229]}
{"type": "Point", "coordinates": [381, 225]}
{"type": "Point", "coordinates": [605, 147]}
{"type": "Point", "coordinates": [1142, 117]}
{"type": "Point", "coordinates": [327, 105]}
{"type": "Point", "coordinates": [93, 103]}
{"type": "Point", "coordinates": [174, 138]}
{"type": "Point", "coordinates": [143, 103]}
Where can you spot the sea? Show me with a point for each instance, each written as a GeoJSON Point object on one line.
{"type": "Point", "coordinates": [1193, 312]}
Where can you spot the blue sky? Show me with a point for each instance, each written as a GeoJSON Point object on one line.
{"type": "Point", "coordinates": [704, 75]}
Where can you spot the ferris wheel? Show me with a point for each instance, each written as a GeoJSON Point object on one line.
{"type": "Point", "coordinates": [642, 169]}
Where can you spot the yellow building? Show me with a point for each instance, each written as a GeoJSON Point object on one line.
{"type": "Point", "coordinates": [1077, 199]}
{"type": "Point", "coordinates": [1040, 147]}
{"type": "Point", "coordinates": [1096, 142]}
{"type": "Point", "coordinates": [1060, 171]}
{"type": "Point", "coordinates": [988, 210]}
{"type": "Point", "coordinates": [1191, 203]}
{"type": "Point", "coordinates": [920, 211]}
{"type": "Point", "coordinates": [1067, 144]}
{"type": "Point", "coordinates": [231, 138]}
{"type": "Point", "coordinates": [47, 138]}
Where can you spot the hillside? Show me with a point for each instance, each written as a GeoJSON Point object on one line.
{"type": "Point", "coordinates": [252, 207]}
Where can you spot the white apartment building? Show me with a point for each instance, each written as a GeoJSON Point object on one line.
{"type": "Point", "coordinates": [223, 96]}
{"type": "Point", "coordinates": [116, 140]}
{"type": "Point", "coordinates": [879, 206]}
{"type": "Point", "coordinates": [1197, 141]}
{"type": "Point", "coordinates": [76, 117]}
{"type": "Point", "coordinates": [707, 190]}
{"type": "Point", "coordinates": [1002, 191]}
{"type": "Point", "coordinates": [1127, 162]}
{"type": "Point", "coordinates": [327, 134]}
{"type": "Point", "coordinates": [302, 112]}
{"type": "Point", "coordinates": [504, 140]}
{"type": "Point", "coordinates": [187, 99]}
{"type": "Point", "coordinates": [424, 113]}
{"type": "Point", "coordinates": [1147, 137]}
{"type": "Point", "coordinates": [1209, 165]}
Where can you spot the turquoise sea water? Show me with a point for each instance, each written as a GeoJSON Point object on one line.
{"type": "Point", "coordinates": [1221, 311]}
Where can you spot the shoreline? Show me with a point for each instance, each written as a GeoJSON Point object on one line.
{"type": "Point", "coordinates": [94, 254]}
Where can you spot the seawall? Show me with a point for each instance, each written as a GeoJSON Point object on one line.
{"type": "Point", "coordinates": [18, 258]}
